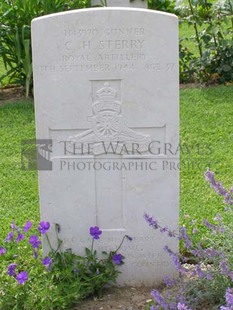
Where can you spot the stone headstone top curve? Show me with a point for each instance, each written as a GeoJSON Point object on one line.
{"type": "Point", "coordinates": [122, 3]}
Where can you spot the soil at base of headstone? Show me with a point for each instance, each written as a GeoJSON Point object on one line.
{"type": "Point", "coordinates": [135, 298]}
{"type": "Point", "coordinates": [119, 298]}
{"type": "Point", "coordinates": [11, 93]}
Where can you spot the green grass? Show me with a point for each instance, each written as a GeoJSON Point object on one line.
{"type": "Point", "coordinates": [206, 120]}
{"type": "Point", "coordinates": [18, 190]}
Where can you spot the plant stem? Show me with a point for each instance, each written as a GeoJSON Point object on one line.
{"type": "Point", "coordinates": [92, 245]}
{"type": "Point", "coordinates": [210, 20]}
{"type": "Point", "coordinates": [120, 244]}
{"type": "Point", "coordinates": [49, 242]}
{"type": "Point", "coordinates": [195, 28]}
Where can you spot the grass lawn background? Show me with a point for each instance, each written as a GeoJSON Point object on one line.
{"type": "Point", "coordinates": [206, 120]}
{"type": "Point", "coordinates": [18, 190]}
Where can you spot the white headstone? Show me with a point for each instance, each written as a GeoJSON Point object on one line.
{"type": "Point", "coordinates": [106, 94]}
{"type": "Point", "coordinates": [122, 3]}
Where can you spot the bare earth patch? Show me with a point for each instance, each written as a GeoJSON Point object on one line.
{"type": "Point", "coordinates": [133, 298]}
{"type": "Point", "coordinates": [11, 93]}
{"type": "Point", "coordinates": [123, 298]}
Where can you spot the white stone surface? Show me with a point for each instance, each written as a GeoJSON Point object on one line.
{"type": "Point", "coordinates": [101, 76]}
{"type": "Point", "coordinates": [122, 3]}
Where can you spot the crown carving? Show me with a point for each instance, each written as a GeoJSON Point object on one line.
{"type": "Point", "coordinates": [106, 100]}
{"type": "Point", "coordinates": [106, 93]}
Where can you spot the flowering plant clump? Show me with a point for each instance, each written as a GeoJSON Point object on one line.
{"type": "Point", "coordinates": [209, 284]}
{"type": "Point", "coordinates": [57, 280]}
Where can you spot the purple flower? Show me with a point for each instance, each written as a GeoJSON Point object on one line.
{"type": "Point", "coordinates": [229, 300]}
{"type": "Point", "coordinates": [20, 237]}
{"type": "Point", "coordinates": [34, 241]}
{"type": "Point", "coordinates": [185, 237]}
{"type": "Point", "coordinates": [154, 224]}
{"type": "Point", "coordinates": [163, 229]}
{"type": "Point", "coordinates": [95, 232]}
{"type": "Point", "coordinates": [175, 259]}
{"type": "Point", "coordinates": [27, 226]}
{"type": "Point", "coordinates": [2, 251]}
{"type": "Point", "coordinates": [13, 226]}
{"type": "Point", "coordinates": [229, 297]}
{"type": "Point", "coordinates": [209, 276]}
{"type": "Point", "coordinates": [11, 269]}
{"type": "Point", "coordinates": [206, 253]}
{"type": "Point", "coordinates": [151, 221]}
{"type": "Point", "coordinates": [211, 252]}
{"type": "Point", "coordinates": [129, 238]}
{"type": "Point", "coordinates": [169, 282]}
{"type": "Point", "coordinates": [43, 227]}
{"type": "Point", "coordinates": [218, 187]}
{"type": "Point", "coordinates": [159, 299]}
{"type": "Point", "coordinates": [10, 236]}
{"type": "Point", "coordinates": [182, 306]}
{"type": "Point", "coordinates": [117, 259]}
{"type": "Point", "coordinates": [47, 261]}
{"type": "Point", "coordinates": [171, 233]}
{"type": "Point", "coordinates": [209, 225]}
{"type": "Point", "coordinates": [209, 176]}
{"type": "Point", "coordinates": [231, 275]}
{"type": "Point", "coordinates": [224, 267]}
{"type": "Point", "coordinates": [22, 277]}
{"type": "Point", "coordinates": [199, 272]}
{"type": "Point", "coordinates": [228, 199]}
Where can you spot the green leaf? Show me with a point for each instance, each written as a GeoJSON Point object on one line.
{"type": "Point", "coordinates": [226, 68]}
{"type": "Point", "coordinates": [88, 252]}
